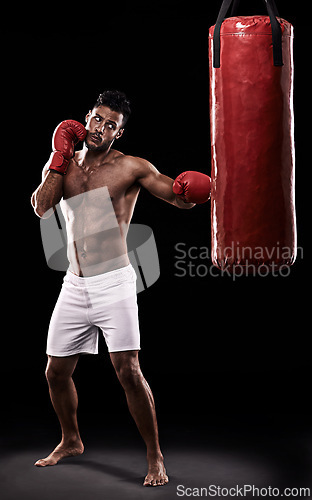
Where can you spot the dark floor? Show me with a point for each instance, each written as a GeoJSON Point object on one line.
{"type": "Point", "coordinates": [265, 454]}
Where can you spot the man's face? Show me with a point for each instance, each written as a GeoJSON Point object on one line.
{"type": "Point", "coordinates": [103, 126]}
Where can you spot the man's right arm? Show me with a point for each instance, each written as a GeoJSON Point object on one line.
{"type": "Point", "coordinates": [48, 193]}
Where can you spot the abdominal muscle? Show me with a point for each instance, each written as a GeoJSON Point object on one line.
{"type": "Point", "coordinates": [96, 238]}
{"type": "Point", "coordinates": [97, 254]}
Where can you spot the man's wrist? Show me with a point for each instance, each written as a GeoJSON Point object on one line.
{"type": "Point", "coordinates": [183, 204]}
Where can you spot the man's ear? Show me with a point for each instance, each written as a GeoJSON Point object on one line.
{"type": "Point", "coordinates": [120, 132]}
{"type": "Point", "coordinates": [88, 116]}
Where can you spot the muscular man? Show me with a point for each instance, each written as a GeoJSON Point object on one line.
{"type": "Point", "coordinates": [97, 196]}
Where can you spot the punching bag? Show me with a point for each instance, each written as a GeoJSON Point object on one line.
{"type": "Point", "coordinates": [252, 140]}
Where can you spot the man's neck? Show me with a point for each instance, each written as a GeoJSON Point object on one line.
{"type": "Point", "coordinates": [94, 158]}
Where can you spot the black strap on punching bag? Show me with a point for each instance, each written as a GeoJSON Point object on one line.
{"type": "Point", "coordinates": [275, 25]}
{"type": "Point", "coordinates": [237, 2]}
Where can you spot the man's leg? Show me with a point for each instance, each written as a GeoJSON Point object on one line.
{"type": "Point", "coordinates": [65, 401]}
{"type": "Point", "coordinates": [142, 408]}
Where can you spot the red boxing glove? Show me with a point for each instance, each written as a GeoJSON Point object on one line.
{"type": "Point", "coordinates": [192, 187]}
{"type": "Point", "coordinates": [65, 136]}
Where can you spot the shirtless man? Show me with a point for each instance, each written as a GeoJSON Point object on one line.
{"type": "Point", "coordinates": [98, 195]}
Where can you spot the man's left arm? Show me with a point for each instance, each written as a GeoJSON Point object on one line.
{"type": "Point", "coordinates": [180, 192]}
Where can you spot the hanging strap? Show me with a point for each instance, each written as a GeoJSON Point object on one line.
{"type": "Point", "coordinates": [237, 2]}
{"type": "Point", "coordinates": [275, 25]}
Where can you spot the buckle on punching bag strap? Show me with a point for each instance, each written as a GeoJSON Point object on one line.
{"type": "Point", "coordinates": [275, 25]}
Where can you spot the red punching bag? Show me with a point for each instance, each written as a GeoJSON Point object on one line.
{"type": "Point", "coordinates": [252, 140]}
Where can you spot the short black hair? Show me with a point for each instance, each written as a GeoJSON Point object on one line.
{"type": "Point", "coordinates": [116, 101]}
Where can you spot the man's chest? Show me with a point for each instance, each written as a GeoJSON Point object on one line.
{"type": "Point", "coordinates": [80, 180]}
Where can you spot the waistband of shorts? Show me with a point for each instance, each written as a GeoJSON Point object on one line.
{"type": "Point", "coordinates": [105, 278]}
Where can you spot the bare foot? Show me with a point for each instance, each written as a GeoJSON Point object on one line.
{"type": "Point", "coordinates": [156, 475]}
{"type": "Point", "coordinates": [61, 451]}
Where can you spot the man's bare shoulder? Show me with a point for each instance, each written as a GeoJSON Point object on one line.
{"type": "Point", "coordinates": [139, 166]}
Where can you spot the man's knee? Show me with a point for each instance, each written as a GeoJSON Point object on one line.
{"type": "Point", "coordinates": [54, 375]}
{"type": "Point", "coordinates": [59, 370]}
{"type": "Point", "coordinates": [127, 368]}
{"type": "Point", "coordinates": [129, 375]}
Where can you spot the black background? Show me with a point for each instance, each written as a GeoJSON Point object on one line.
{"type": "Point", "coordinates": [212, 348]}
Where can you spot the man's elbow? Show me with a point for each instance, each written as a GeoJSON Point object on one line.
{"type": "Point", "coordinates": [40, 210]}
{"type": "Point", "coordinates": [40, 213]}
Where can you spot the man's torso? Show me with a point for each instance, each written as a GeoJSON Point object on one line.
{"type": "Point", "coordinates": [98, 202]}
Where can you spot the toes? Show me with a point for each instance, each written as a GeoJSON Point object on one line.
{"type": "Point", "coordinates": [149, 481]}
{"type": "Point", "coordinates": [40, 463]}
{"type": "Point", "coordinates": [45, 462]}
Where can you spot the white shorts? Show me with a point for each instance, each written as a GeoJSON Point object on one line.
{"type": "Point", "coordinates": [106, 301]}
